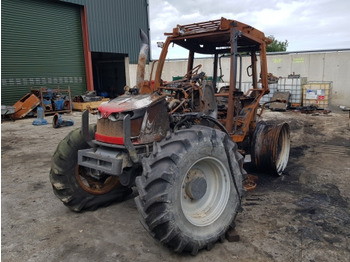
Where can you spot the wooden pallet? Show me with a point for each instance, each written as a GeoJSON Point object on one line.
{"type": "Point", "coordinates": [81, 106]}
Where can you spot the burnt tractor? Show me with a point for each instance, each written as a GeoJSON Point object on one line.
{"type": "Point", "coordinates": [180, 143]}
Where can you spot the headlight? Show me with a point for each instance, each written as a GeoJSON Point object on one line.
{"type": "Point", "coordinates": [99, 115]}
{"type": "Point", "coordinates": [113, 117]}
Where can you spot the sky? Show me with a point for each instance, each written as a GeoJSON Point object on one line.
{"type": "Point", "coordinates": [306, 24]}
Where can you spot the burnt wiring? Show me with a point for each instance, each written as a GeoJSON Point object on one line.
{"type": "Point", "coordinates": [189, 119]}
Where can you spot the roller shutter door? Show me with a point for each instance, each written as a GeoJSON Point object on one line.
{"type": "Point", "coordinates": [41, 46]}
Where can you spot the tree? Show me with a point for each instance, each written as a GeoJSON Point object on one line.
{"type": "Point", "coordinates": [277, 46]}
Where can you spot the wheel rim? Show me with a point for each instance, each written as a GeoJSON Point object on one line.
{"type": "Point", "coordinates": [271, 146]}
{"type": "Point", "coordinates": [203, 207]}
{"type": "Point", "coordinates": [93, 185]}
{"type": "Point", "coordinates": [283, 148]}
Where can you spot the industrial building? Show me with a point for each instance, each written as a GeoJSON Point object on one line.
{"type": "Point", "coordinates": [83, 44]}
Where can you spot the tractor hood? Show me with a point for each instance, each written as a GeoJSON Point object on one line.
{"type": "Point", "coordinates": [129, 103]}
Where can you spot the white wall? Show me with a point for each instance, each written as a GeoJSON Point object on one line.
{"type": "Point", "coordinates": [316, 66]}
{"type": "Point", "coordinates": [322, 66]}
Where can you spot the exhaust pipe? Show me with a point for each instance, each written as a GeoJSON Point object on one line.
{"type": "Point", "coordinates": [140, 76]}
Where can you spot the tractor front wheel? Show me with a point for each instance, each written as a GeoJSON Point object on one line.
{"type": "Point", "coordinates": [76, 186]}
{"type": "Point", "coordinates": [191, 188]}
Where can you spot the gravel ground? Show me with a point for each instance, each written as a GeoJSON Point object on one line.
{"type": "Point", "coordinates": [303, 215]}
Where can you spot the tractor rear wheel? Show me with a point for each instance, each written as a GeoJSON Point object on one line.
{"type": "Point", "coordinates": [191, 188]}
{"type": "Point", "coordinates": [270, 147]}
{"type": "Point", "coordinates": [76, 186]}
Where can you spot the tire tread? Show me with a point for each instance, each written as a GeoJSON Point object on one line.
{"type": "Point", "coordinates": [158, 177]}
{"type": "Point", "coordinates": [64, 183]}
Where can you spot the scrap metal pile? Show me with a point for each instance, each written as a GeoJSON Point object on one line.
{"type": "Point", "coordinates": [50, 100]}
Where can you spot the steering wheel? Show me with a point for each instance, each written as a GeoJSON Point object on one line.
{"type": "Point", "coordinates": [193, 72]}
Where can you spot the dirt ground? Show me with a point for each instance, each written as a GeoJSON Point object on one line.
{"type": "Point", "coordinates": [304, 215]}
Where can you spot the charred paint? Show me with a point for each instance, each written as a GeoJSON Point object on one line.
{"type": "Point", "coordinates": [271, 145]}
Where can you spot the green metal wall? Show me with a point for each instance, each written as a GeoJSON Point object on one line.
{"type": "Point", "coordinates": [114, 25]}
{"type": "Point", "coordinates": [41, 45]}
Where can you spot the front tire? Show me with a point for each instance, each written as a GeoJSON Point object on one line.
{"type": "Point", "coordinates": [73, 185]}
{"type": "Point", "coordinates": [188, 196]}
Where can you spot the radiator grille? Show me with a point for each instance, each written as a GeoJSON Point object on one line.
{"type": "Point", "coordinates": [115, 128]}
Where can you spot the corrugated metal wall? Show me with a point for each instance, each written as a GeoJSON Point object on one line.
{"type": "Point", "coordinates": [114, 25]}
{"type": "Point", "coordinates": [41, 45]}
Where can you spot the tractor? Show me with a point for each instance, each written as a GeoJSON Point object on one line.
{"type": "Point", "coordinates": [180, 144]}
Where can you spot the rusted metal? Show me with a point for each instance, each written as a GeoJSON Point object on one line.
{"type": "Point", "coordinates": [232, 108]}
{"type": "Point", "coordinates": [233, 70]}
{"type": "Point", "coordinates": [208, 105]}
{"type": "Point", "coordinates": [25, 105]}
{"type": "Point", "coordinates": [147, 87]}
{"type": "Point", "coordinates": [180, 103]}
{"type": "Point", "coordinates": [249, 183]}
{"type": "Point", "coordinates": [270, 147]}
{"type": "Point", "coordinates": [148, 118]}
{"type": "Point", "coordinates": [232, 37]}
{"type": "Point", "coordinates": [95, 186]}
{"type": "Point", "coordinates": [155, 123]}
{"type": "Point", "coordinates": [129, 126]}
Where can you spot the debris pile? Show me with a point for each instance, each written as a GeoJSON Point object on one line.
{"type": "Point", "coordinates": [50, 101]}
{"type": "Point", "coordinates": [89, 101]}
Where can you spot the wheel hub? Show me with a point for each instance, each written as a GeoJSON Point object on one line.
{"type": "Point", "coordinates": [95, 185]}
{"type": "Point", "coordinates": [196, 185]}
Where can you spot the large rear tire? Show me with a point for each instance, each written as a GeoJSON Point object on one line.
{"type": "Point", "coordinates": [191, 188]}
{"type": "Point", "coordinates": [270, 147]}
{"type": "Point", "coordinates": [73, 185]}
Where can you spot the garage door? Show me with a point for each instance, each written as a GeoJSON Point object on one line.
{"type": "Point", "coordinates": [41, 46]}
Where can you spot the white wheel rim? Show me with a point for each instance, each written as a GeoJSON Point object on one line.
{"type": "Point", "coordinates": [283, 148]}
{"type": "Point", "coordinates": [211, 205]}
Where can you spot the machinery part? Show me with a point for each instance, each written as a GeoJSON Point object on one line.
{"type": "Point", "coordinates": [25, 105]}
{"type": "Point", "coordinates": [190, 191]}
{"type": "Point", "coordinates": [7, 110]}
{"type": "Point", "coordinates": [78, 187]}
{"type": "Point", "coordinates": [208, 101]}
{"type": "Point", "coordinates": [193, 72]}
{"type": "Point", "coordinates": [127, 139]}
{"type": "Point", "coordinates": [190, 118]}
{"type": "Point", "coordinates": [250, 67]}
{"type": "Point", "coordinates": [217, 38]}
{"type": "Point", "coordinates": [249, 183]}
{"type": "Point", "coordinates": [140, 75]}
{"type": "Point", "coordinates": [57, 121]}
{"type": "Point", "coordinates": [85, 128]}
{"type": "Point", "coordinates": [271, 146]}
{"type": "Point", "coordinates": [127, 178]}
{"type": "Point", "coordinates": [103, 160]}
